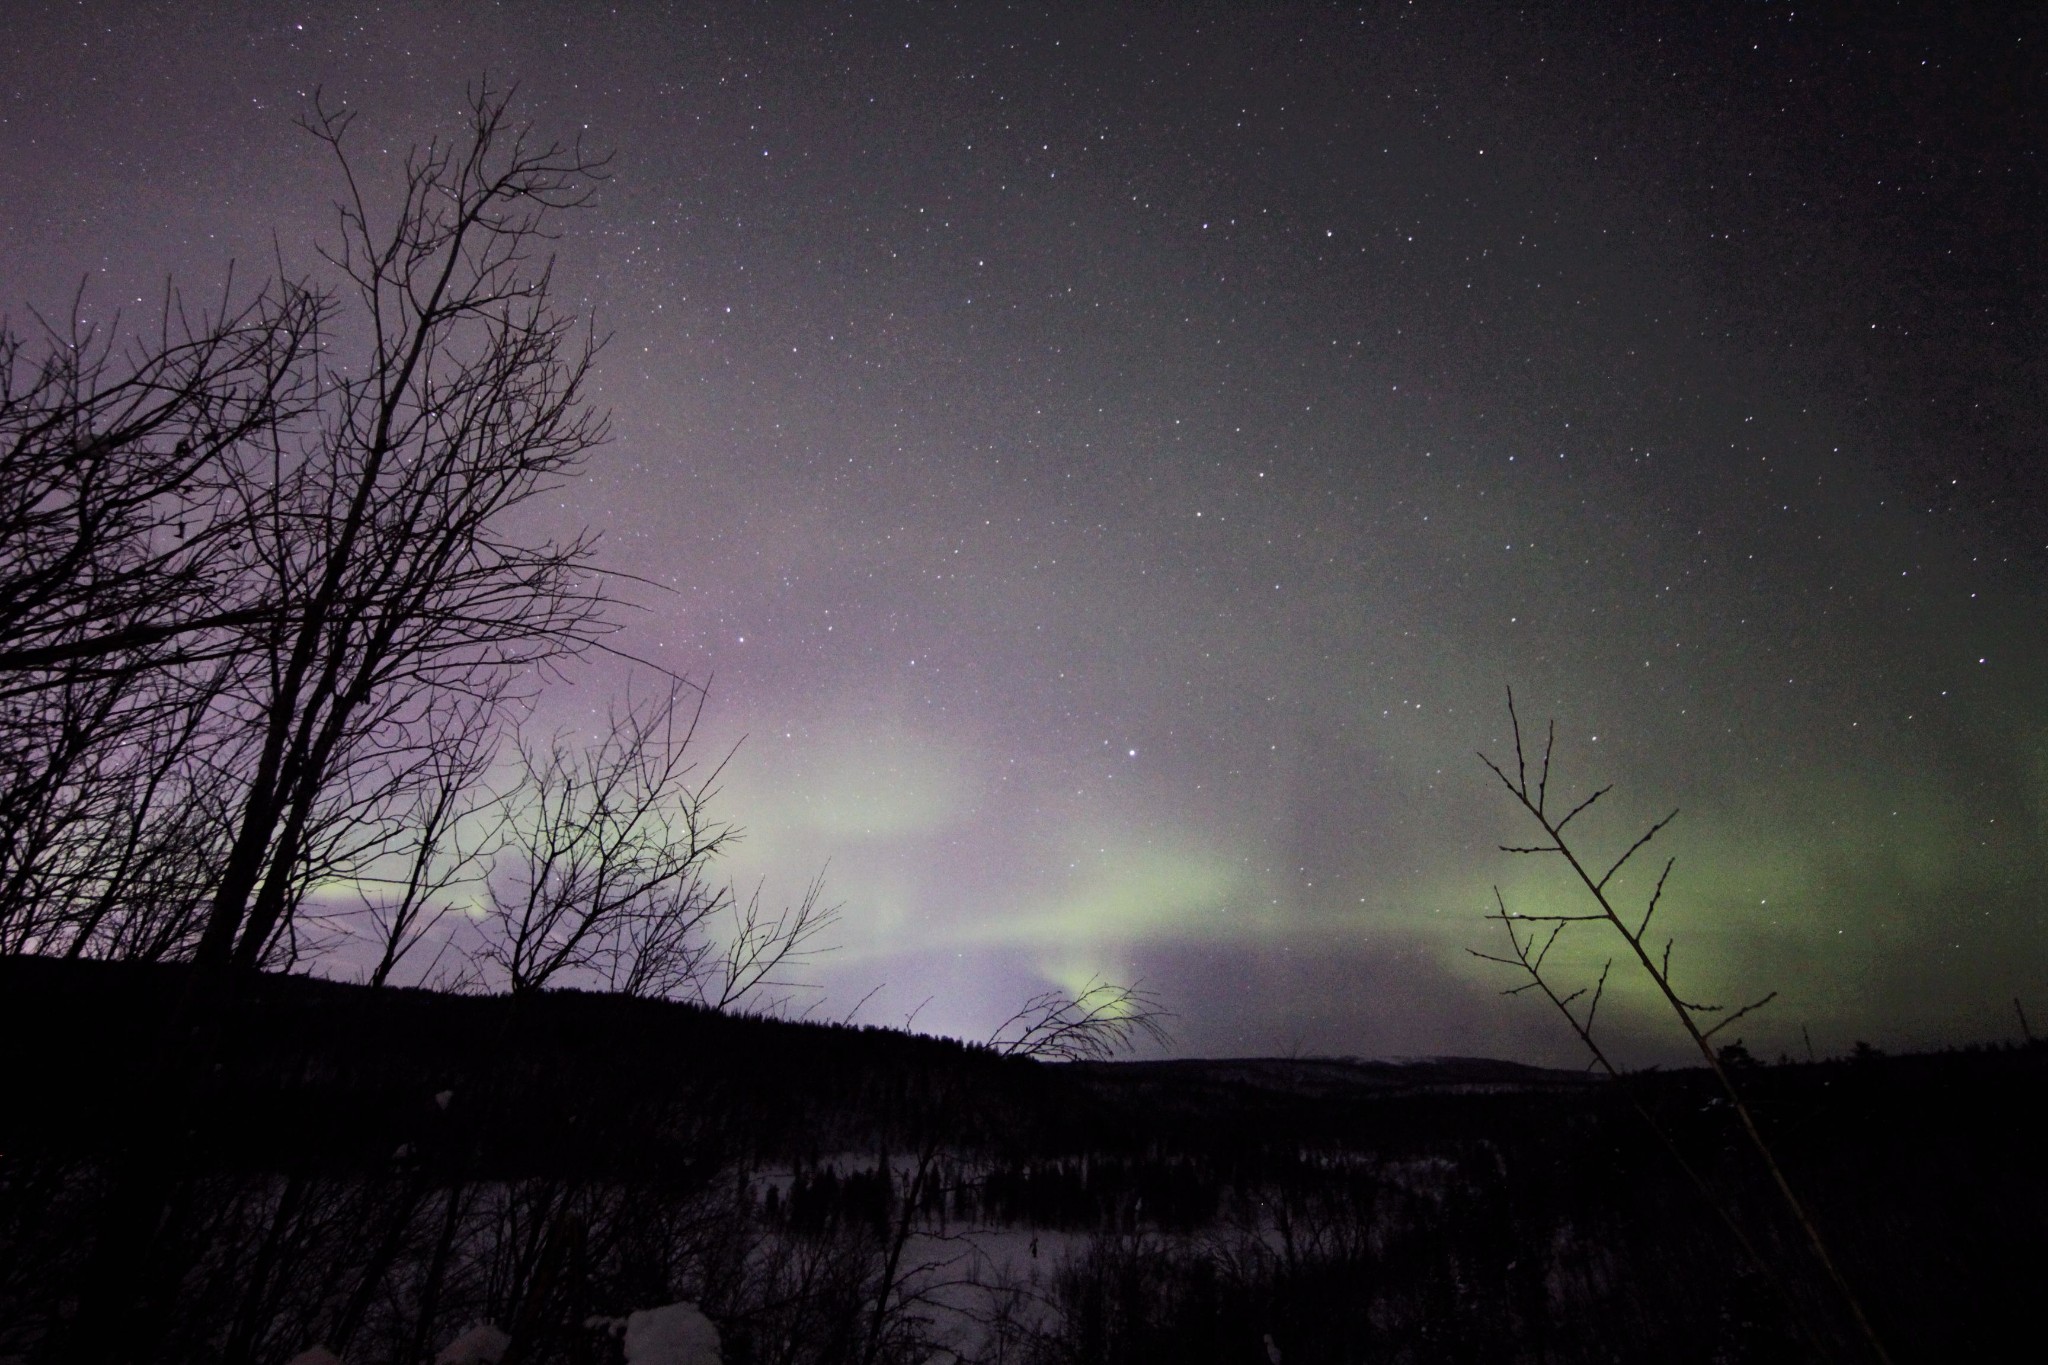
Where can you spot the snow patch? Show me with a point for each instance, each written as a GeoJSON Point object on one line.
{"type": "Point", "coordinates": [675, 1335]}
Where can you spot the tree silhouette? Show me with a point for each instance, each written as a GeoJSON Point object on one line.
{"type": "Point", "coordinates": [123, 609]}
{"type": "Point", "coordinates": [276, 552]}
{"type": "Point", "coordinates": [399, 597]}
{"type": "Point", "coordinates": [260, 602]}
{"type": "Point", "coordinates": [1531, 950]}
{"type": "Point", "coordinates": [115, 465]}
{"type": "Point", "coordinates": [1092, 1024]}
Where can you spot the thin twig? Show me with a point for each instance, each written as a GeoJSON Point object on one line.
{"type": "Point", "coordinates": [1684, 1011]}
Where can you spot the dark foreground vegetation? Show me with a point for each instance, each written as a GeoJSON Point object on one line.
{"type": "Point", "coordinates": [376, 1170]}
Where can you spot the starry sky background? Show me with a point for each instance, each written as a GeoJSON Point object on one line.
{"type": "Point", "coordinates": [1111, 459]}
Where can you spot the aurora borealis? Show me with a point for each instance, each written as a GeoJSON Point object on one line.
{"type": "Point", "coordinates": [1111, 460]}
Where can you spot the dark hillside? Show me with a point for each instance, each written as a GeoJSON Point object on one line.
{"type": "Point", "coordinates": [343, 1074]}
{"type": "Point", "coordinates": [1358, 1210]}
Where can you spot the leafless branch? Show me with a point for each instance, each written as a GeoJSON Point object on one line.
{"type": "Point", "coordinates": [1092, 1024]}
{"type": "Point", "coordinates": [761, 947]}
{"type": "Point", "coordinates": [606, 854]}
{"type": "Point", "coordinates": [1659, 972]}
{"type": "Point", "coordinates": [374, 532]}
{"type": "Point", "coordinates": [1752, 1005]}
{"type": "Point", "coordinates": [1630, 851]}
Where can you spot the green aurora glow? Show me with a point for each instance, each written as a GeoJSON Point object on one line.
{"type": "Point", "coordinates": [1111, 465]}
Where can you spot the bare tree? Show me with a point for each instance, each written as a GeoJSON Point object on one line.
{"type": "Point", "coordinates": [758, 947]}
{"type": "Point", "coordinates": [606, 854]}
{"type": "Point", "coordinates": [92, 806]}
{"type": "Point", "coordinates": [378, 537]}
{"type": "Point", "coordinates": [1530, 950]}
{"type": "Point", "coordinates": [604, 870]}
{"type": "Point", "coordinates": [121, 609]}
{"type": "Point", "coordinates": [265, 556]}
{"type": "Point", "coordinates": [440, 842]}
{"type": "Point", "coordinates": [1092, 1024]}
{"type": "Point", "coordinates": [306, 569]}
{"type": "Point", "coordinates": [113, 461]}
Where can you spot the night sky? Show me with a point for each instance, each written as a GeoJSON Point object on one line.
{"type": "Point", "coordinates": [1111, 460]}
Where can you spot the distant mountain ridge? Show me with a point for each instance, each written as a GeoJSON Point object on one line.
{"type": "Point", "coordinates": [1330, 1075]}
{"type": "Point", "coordinates": [348, 1073]}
